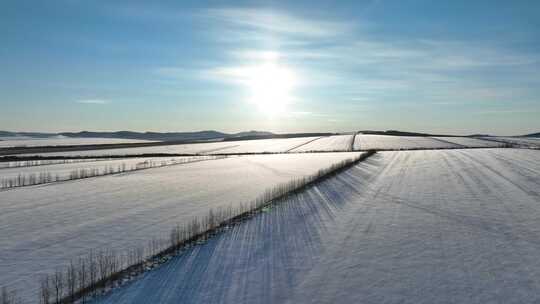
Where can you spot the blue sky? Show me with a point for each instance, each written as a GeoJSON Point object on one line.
{"type": "Point", "coordinates": [434, 66]}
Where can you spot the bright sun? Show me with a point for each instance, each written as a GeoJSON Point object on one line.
{"type": "Point", "coordinates": [270, 87]}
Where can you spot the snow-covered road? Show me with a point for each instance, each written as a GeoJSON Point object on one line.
{"type": "Point", "coordinates": [445, 226]}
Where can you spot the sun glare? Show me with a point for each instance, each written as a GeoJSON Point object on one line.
{"type": "Point", "coordinates": [270, 86]}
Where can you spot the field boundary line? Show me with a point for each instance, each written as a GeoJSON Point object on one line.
{"type": "Point", "coordinates": [303, 144]}
{"type": "Point", "coordinates": [46, 178]}
{"type": "Point", "coordinates": [448, 142]}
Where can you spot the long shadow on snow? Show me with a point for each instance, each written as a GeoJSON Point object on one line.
{"type": "Point", "coordinates": [258, 261]}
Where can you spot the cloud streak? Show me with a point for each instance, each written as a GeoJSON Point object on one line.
{"type": "Point", "coordinates": [335, 56]}
{"type": "Point", "coordinates": [93, 101]}
{"type": "Point", "coordinates": [274, 21]}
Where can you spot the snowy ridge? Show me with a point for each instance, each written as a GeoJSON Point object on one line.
{"type": "Point", "coordinates": [330, 143]}
{"type": "Point", "coordinates": [390, 142]}
{"type": "Point", "coordinates": [471, 142]}
{"type": "Point", "coordinates": [521, 142]}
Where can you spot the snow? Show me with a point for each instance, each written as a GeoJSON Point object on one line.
{"type": "Point", "coordinates": [244, 146]}
{"type": "Point", "coordinates": [64, 141]}
{"type": "Point", "coordinates": [30, 163]}
{"type": "Point", "coordinates": [43, 227]}
{"type": "Point", "coordinates": [103, 166]}
{"type": "Point", "coordinates": [330, 143]}
{"type": "Point", "coordinates": [389, 142]}
{"type": "Point", "coordinates": [268, 145]}
{"type": "Point", "coordinates": [178, 149]}
{"type": "Point", "coordinates": [530, 142]}
{"type": "Point", "coordinates": [440, 226]}
{"type": "Point", "coordinates": [471, 142]}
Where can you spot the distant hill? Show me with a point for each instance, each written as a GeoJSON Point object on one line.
{"type": "Point", "coordinates": [26, 134]}
{"type": "Point", "coordinates": [157, 136]}
{"type": "Point", "coordinates": [271, 135]}
{"type": "Point", "coordinates": [167, 136]}
{"type": "Point", "coordinates": [402, 133]}
{"type": "Point", "coordinates": [251, 133]}
{"type": "Point", "coordinates": [532, 135]}
{"type": "Point", "coordinates": [176, 137]}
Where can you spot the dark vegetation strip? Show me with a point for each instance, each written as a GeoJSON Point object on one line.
{"type": "Point", "coordinates": [276, 136]}
{"type": "Point", "coordinates": [67, 148]}
{"type": "Point", "coordinates": [36, 163]}
{"type": "Point", "coordinates": [41, 178]}
{"type": "Point", "coordinates": [448, 142]}
{"type": "Point", "coordinates": [12, 158]}
{"type": "Point", "coordinates": [511, 144]}
{"type": "Point", "coordinates": [8, 297]}
{"type": "Point", "coordinates": [441, 148]}
{"type": "Point", "coordinates": [103, 270]}
{"type": "Point", "coordinates": [47, 149]}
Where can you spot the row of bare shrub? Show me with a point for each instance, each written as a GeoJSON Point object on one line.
{"type": "Point", "coordinates": [82, 278]}
{"type": "Point", "coordinates": [47, 177]}
{"type": "Point", "coordinates": [45, 162]}
{"type": "Point", "coordinates": [100, 271]}
{"type": "Point", "coordinates": [8, 297]}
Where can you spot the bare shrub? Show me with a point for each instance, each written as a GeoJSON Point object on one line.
{"type": "Point", "coordinates": [45, 291]}
{"type": "Point", "coordinates": [58, 285]}
{"type": "Point", "coordinates": [99, 270]}
{"type": "Point", "coordinates": [8, 297]}
{"type": "Point", "coordinates": [47, 177]}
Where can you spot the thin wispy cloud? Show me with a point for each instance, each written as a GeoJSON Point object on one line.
{"type": "Point", "coordinates": [358, 62]}
{"type": "Point", "coordinates": [93, 101]}
{"type": "Point", "coordinates": [275, 21]}
{"type": "Point", "coordinates": [330, 55]}
{"type": "Point", "coordinates": [506, 111]}
{"type": "Point", "coordinates": [257, 55]}
{"type": "Point", "coordinates": [374, 55]}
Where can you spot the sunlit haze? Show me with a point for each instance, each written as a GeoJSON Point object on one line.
{"type": "Point", "coordinates": [459, 67]}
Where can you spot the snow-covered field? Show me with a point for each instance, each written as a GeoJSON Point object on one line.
{"type": "Point", "coordinates": [243, 146]}
{"type": "Point", "coordinates": [389, 142]}
{"type": "Point", "coordinates": [64, 141]}
{"type": "Point", "coordinates": [63, 171]}
{"type": "Point", "coordinates": [470, 142]}
{"type": "Point", "coordinates": [32, 163]}
{"type": "Point", "coordinates": [441, 226]}
{"type": "Point", "coordinates": [330, 143]}
{"type": "Point", "coordinates": [43, 227]}
{"type": "Point", "coordinates": [531, 142]}
{"type": "Point", "coordinates": [301, 144]}
{"type": "Point", "coordinates": [268, 145]}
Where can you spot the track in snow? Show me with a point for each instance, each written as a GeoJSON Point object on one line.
{"type": "Point", "coordinates": [328, 143]}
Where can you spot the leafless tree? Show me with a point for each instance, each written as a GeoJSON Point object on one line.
{"type": "Point", "coordinates": [58, 284]}
{"type": "Point", "coordinates": [71, 280]}
{"type": "Point", "coordinates": [45, 291]}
